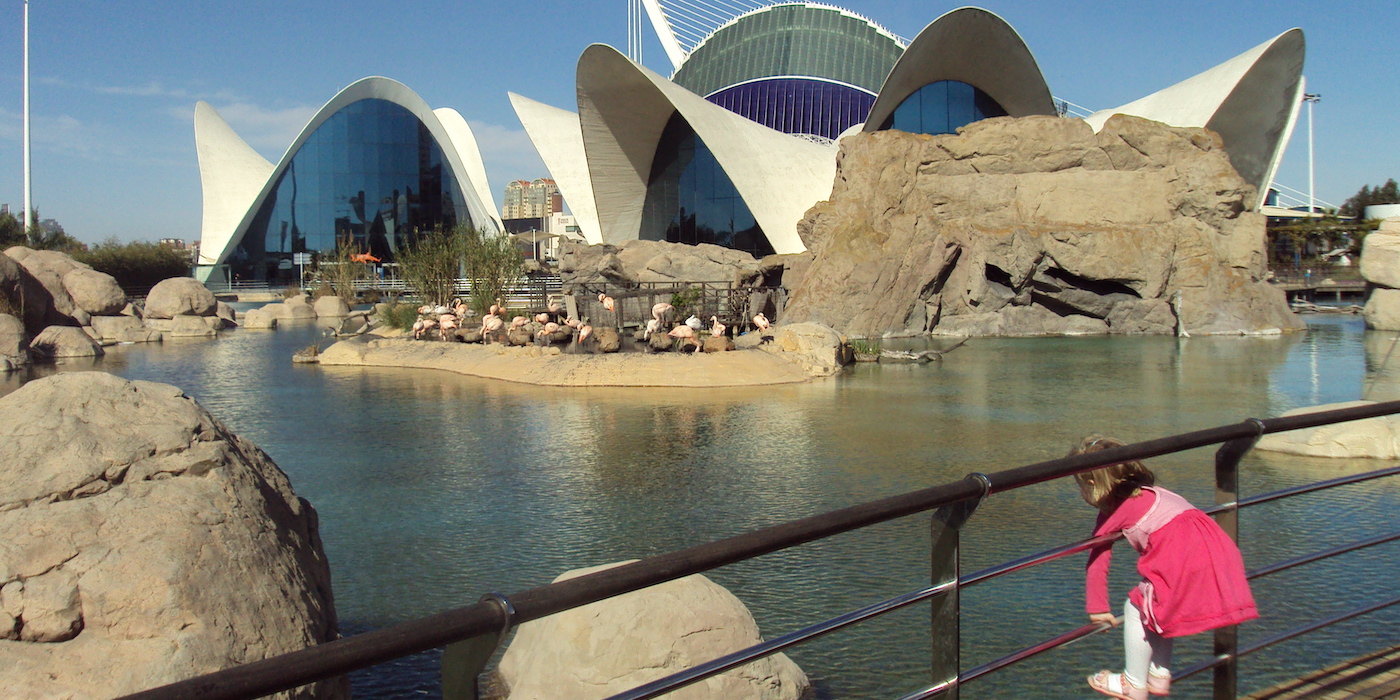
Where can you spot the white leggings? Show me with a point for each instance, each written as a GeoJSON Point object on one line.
{"type": "Point", "coordinates": [1144, 650]}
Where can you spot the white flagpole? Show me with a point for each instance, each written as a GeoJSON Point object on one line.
{"type": "Point", "coordinates": [28, 190]}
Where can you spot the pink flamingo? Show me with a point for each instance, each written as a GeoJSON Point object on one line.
{"type": "Point", "coordinates": [661, 311]}
{"type": "Point", "coordinates": [762, 322]}
{"type": "Point", "coordinates": [542, 318]}
{"type": "Point", "coordinates": [491, 325]}
{"type": "Point", "coordinates": [427, 325]}
{"type": "Point", "coordinates": [425, 309]}
{"type": "Point", "coordinates": [446, 324]}
{"type": "Point", "coordinates": [518, 322]}
{"type": "Point", "coordinates": [572, 323]}
{"type": "Point", "coordinates": [685, 334]}
{"type": "Point", "coordinates": [496, 309]}
{"type": "Point", "coordinates": [716, 328]}
{"type": "Point", "coordinates": [542, 337]}
{"type": "Point", "coordinates": [584, 331]}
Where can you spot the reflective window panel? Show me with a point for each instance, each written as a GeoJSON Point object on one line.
{"type": "Point", "coordinates": [942, 107]}
{"type": "Point", "coordinates": [691, 200]}
{"type": "Point", "coordinates": [371, 173]}
{"type": "Point", "coordinates": [798, 105]}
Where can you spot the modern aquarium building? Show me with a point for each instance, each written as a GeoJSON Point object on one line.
{"type": "Point", "coordinates": [374, 167]}
{"type": "Point", "coordinates": [741, 140]}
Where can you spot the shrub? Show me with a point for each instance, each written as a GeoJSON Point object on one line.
{"type": "Point", "coordinates": [863, 346]}
{"type": "Point", "coordinates": [137, 265]}
{"type": "Point", "coordinates": [339, 269]}
{"type": "Point", "coordinates": [432, 263]}
{"type": "Point", "coordinates": [490, 263]}
{"type": "Point", "coordinates": [399, 315]}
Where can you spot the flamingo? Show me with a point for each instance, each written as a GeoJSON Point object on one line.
{"type": "Point", "coordinates": [490, 325]}
{"type": "Point", "coordinates": [694, 323]}
{"type": "Point", "coordinates": [661, 311]}
{"type": "Point", "coordinates": [716, 328]}
{"type": "Point", "coordinates": [496, 309]}
{"type": "Point", "coordinates": [554, 309]}
{"type": "Point", "coordinates": [542, 336]}
{"type": "Point", "coordinates": [427, 325]}
{"type": "Point", "coordinates": [685, 334]}
{"type": "Point", "coordinates": [418, 329]}
{"type": "Point", "coordinates": [518, 322]}
{"type": "Point", "coordinates": [460, 308]}
{"type": "Point", "coordinates": [653, 326]}
{"type": "Point", "coordinates": [425, 309]}
{"type": "Point", "coordinates": [572, 323]}
{"type": "Point", "coordinates": [440, 310]}
{"type": "Point", "coordinates": [608, 302]}
{"type": "Point", "coordinates": [542, 318]}
{"type": "Point", "coordinates": [446, 324]}
{"type": "Point", "coordinates": [762, 322]}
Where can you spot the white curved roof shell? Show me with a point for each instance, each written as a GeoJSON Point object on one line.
{"type": "Point", "coordinates": [232, 174]}
{"type": "Point", "coordinates": [1251, 100]}
{"type": "Point", "coordinates": [558, 138]}
{"type": "Point", "coordinates": [623, 108]}
{"type": "Point", "coordinates": [973, 46]}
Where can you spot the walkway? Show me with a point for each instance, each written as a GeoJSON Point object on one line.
{"type": "Point", "coordinates": [1375, 675]}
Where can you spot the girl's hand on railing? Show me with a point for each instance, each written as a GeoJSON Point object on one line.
{"type": "Point", "coordinates": [1098, 618]}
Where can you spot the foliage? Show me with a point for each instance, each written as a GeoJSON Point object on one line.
{"type": "Point", "coordinates": [1389, 193]}
{"type": "Point", "coordinates": [490, 263]}
{"type": "Point", "coordinates": [341, 272]}
{"type": "Point", "coordinates": [863, 346]}
{"type": "Point", "coordinates": [324, 289]}
{"type": "Point", "coordinates": [431, 264]}
{"type": "Point", "coordinates": [11, 232]}
{"type": "Point", "coordinates": [398, 315]}
{"type": "Point", "coordinates": [311, 350]}
{"type": "Point", "coordinates": [37, 238]}
{"type": "Point", "coordinates": [687, 301]}
{"type": "Point", "coordinates": [138, 265]}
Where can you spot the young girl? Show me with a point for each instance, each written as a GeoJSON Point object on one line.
{"type": "Point", "coordinates": [1193, 577]}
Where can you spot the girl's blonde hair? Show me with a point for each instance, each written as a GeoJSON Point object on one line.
{"type": "Point", "coordinates": [1107, 487]}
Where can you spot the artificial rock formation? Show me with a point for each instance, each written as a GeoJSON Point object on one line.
{"type": "Point", "coordinates": [1380, 266]}
{"type": "Point", "coordinates": [142, 543]}
{"type": "Point", "coordinates": [606, 647]}
{"type": "Point", "coordinates": [1374, 438]}
{"type": "Point", "coordinates": [49, 288]}
{"type": "Point", "coordinates": [652, 261]}
{"type": "Point", "coordinates": [179, 296]}
{"type": "Point", "coordinates": [1037, 226]}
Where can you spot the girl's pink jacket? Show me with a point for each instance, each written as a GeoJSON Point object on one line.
{"type": "Point", "coordinates": [1193, 577]}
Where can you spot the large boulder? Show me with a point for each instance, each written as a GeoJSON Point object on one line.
{"type": "Point", "coordinates": [653, 261]}
{"type": "Point", "coordinates": [613, 645]}
{"type": "Point", "coordinates": [290, 310]}
{"type": "Point", "coordinates": [1037, 226]}
{"type": "Point", "coordinates": [1377, 438]}
{"type": "Point", "coordinates": [192, 327]}
{"type": "Point", "coordinates": [114, 327]}
{"type": "Point", "coordinates": [142, 542]}
{"type": "Point", "coordinates": [608, 339]}
{"type": "Point", "coordinates": [1380, 255]}
{"type": "Point", "coordinates": [64, 341]}
{"type": "Point", "coordinates": [818, 349]}
{"type": "Point", "coordinates": [14, 341]}
{"type": "Point", "coordinates": [1382, 310]}
{"type": "Point", "coordinates": [331, 306]}
{"type": "Point", "coordinates": [261, 319]}
{"type": "Point", "coordinates": [180, 296]}
{"type": "Point", "coordinates": [49, 268]}
{"type": "Point", "coordinates": [95, 292]}
{"type": "Point", "coordinates": [33, 299]}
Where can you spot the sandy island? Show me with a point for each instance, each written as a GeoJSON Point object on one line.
{"type": "Point", "coordinates": [550, 367]}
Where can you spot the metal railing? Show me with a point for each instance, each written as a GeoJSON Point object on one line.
{"type": "Point", "coordinates": [474, 631]}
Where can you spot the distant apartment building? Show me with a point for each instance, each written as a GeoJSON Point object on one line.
{"type": "Point", "coordinates": [532, 199]}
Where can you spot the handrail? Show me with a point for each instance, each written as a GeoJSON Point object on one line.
{"type": "Point", "coordinates": [342, 656]}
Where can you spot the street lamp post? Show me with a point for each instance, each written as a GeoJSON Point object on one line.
{"type": "Point", "coordinates": [1310, 99]}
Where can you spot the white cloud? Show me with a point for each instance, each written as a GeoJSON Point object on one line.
{"type": "Point", "coordinates": [508, 155]}
{"type": "Point", "coordinates": [61, 133]}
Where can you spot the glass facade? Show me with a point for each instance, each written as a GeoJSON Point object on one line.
{"type": "Point", "coordinates": [691, 200]}
{"type": "Point", "coordinates": [798, 105]}
{"type": "Point", "coordinates": [372, 173]}
{"type": "Point", "coordinates": [942, 107]}
{"type": "Point", "coordinates": [796, 40]}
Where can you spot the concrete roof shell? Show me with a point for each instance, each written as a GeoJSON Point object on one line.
{"type": "Point", "coordinates": [558, 138]}
{"type": "Point", "coordinates": [233, 174]}
{"type": "Point", "coordinates": [973, 46]}
{"type": "Point", "coordinates": [1251, 100]}
{"type": "Point", "coordinates": [623, 108]}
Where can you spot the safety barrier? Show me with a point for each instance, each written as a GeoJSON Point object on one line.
{"type": "Point", "coordinates": [474, 631]}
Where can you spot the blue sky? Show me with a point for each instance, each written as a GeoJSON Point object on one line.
{"type": "Point", "coordinates": [114, 84]}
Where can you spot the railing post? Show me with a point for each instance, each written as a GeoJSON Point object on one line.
{"type": "Point", "coordinates": [1227, 493]}
{"type": "Point", "coordinates": [946, 568]}
{"type": "Point", "coordinates": [462, 662]}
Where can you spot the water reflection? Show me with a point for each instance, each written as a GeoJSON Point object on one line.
{"type": "Point", "coordinates": [433, 488]}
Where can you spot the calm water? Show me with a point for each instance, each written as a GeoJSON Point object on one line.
{"type": "Point", "coordinates": [433, 488]}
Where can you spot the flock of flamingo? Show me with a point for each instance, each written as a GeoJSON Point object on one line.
{"type": "Point", "coordinates": [554, 327]}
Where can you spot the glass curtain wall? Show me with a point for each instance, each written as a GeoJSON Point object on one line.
{"type": "Point", "coordinates": [372, 174]}
{"type": "Point", "coordinates": [691, 200]}
{"type": "Point", "coordinates": [942, 107]}
{"type": "Point", "coordinates": [798, 105]}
